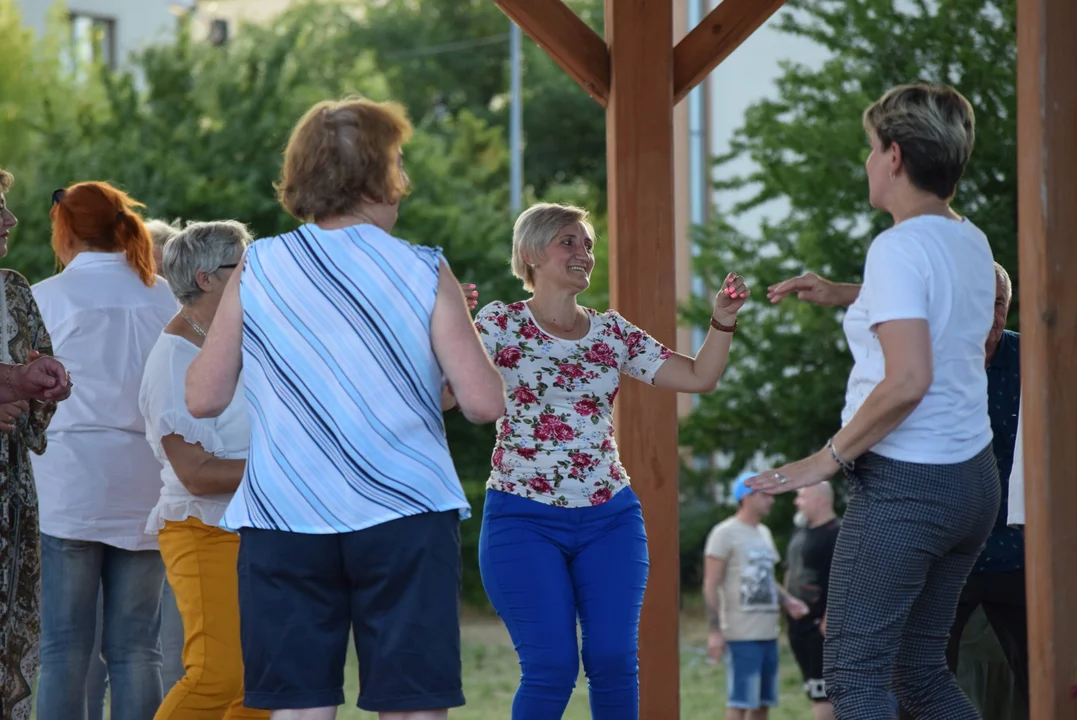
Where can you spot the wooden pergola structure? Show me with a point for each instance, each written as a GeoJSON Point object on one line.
{"type": "Point", "coordinates": [638, 75]}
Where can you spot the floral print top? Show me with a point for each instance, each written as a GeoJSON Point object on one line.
{"type": "Point", "coordinates": [555, 443]}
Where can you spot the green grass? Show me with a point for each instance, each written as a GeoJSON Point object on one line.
{"type": "Point", "coordinates": [491, 674]}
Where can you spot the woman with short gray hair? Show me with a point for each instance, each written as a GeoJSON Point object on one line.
{"type": "Point", "coordinates": [203, 462]}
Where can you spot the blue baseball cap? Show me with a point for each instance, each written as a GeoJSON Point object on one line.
{"type": "Point", "coordinates": [740, 490]}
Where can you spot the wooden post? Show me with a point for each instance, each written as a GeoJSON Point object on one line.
{"type": "Point", "coordinates": [639, 122]}
{"type": "Point", "coordinates": [1047, 170]}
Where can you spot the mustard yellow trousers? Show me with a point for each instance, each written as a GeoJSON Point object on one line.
{"type": "Point", "coordinates": [201, 564]}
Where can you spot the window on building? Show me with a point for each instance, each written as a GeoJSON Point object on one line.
{"type": "Point", "coordinates": [218, 32]}
{"type": "Point", "coordinates": [93, 39]}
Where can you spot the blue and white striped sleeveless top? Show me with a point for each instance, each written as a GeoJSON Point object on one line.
{"type": "Point", "coordinates": [343, 388]}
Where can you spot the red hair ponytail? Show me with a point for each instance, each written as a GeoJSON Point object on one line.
{"type": "Point", "coordinates": [98, 215]}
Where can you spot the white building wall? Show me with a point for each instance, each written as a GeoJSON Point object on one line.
{"type": "Point", "coordinates": [136, 23]}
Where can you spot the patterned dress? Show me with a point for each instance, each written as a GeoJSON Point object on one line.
{"type": "Point", "coordinates": [21, 331]}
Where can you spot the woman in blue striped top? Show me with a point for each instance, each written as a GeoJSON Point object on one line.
{"type": "Point", "coordinates": [349, 510]}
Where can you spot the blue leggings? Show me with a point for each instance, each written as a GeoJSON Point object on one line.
{"type": "Point", "coordinates": [542, 567]}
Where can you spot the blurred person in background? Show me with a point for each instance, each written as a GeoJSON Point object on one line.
{"type": "Point", "coordinates": [744, 603]}
{"type": "Point", "coordinates": [160, 233]}
{"type": "Point", "coordinates": [807, 578]}
{"type": "Point", "coordinates": [99, 479]}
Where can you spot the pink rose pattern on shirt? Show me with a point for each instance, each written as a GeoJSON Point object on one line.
{"type": "Point", "coordinates": [555, 443]}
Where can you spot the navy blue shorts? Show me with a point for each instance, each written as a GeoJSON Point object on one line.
{"type": "Point", "coordinates": [396, 584]}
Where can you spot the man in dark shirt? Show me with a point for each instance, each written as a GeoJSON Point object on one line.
{"type": "Point", "coordinates": [997, 582]}
{"type": "Point", "coordinates": [808, 560]}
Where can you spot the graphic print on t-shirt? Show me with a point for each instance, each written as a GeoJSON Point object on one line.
{"type": "Point", "coordinates": [758, 590]}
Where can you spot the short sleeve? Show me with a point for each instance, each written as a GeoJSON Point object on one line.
{"type": "Point", "coordinates": [491, 322]}
{"type": "Point", "coordinates": [643, 354]}
{"type": "Point", "coordinates": [765, 531]}
{"type": "Point", "coordinates": [164, 407]}
{"type": "Point", "coordinates": [718, 543]}
{"type": "Point", "coordinates": [896, 275]}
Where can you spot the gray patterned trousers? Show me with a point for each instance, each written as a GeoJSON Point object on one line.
{"type": "Point", "coordinates": [908, 541]}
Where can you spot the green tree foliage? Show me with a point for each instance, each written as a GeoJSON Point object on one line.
{"type": "Point", "coordinates": [783, 392]}
{"type": "Point", "coordinates": [443, 56]}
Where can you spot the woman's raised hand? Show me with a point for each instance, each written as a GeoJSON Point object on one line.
{"type": "Point", "coordinates": [470, 294]}
{"type": "Point", "coordinates": [808, 287]}
{"type": "Point", "coordinates": [730, 299]}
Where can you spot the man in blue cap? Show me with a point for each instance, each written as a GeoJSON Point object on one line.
{"type": "Point", "coordinates": [744, 603]}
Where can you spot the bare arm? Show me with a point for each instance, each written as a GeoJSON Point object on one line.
{"type": "Point", "coordinates": [476, 384]}
{"type": "Point", "coordinates": [213, 375]}
{"type": "Point", "coordinates": [701, 373]}
{"type": "Point", "coordinates": [906, 346]}
{"type": "Point", "coordinates": [713, 576]}
{"type": "Point", "coordinates": [809, 287]}
{"type": "Point", "coordinates": [202, 473]}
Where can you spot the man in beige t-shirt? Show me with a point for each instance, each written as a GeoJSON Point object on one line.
{"type": "Point", "coordinates": [744, 603]}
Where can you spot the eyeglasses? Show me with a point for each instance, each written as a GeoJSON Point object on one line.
{"type": "Point", "coordinates": [229, 266]}
{"type": "Point", "coordinates": [58, 195]}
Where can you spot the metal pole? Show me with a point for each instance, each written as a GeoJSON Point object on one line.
{"type": "Point", "coordinates": [516, 122]}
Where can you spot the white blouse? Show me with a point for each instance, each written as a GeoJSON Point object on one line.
{"type": "Point", "coordinates": [98, 478]}
{"type": "Point", "coordinates": [162, 403]}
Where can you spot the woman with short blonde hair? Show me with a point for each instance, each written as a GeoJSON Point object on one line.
{"type": "Point", "coordinates": [562, 531]}
{"type": "Point", "coordinates": [916, 436]}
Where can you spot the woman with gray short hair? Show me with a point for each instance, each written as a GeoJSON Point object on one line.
{"type": "Point", "coordinates": [203, 462]}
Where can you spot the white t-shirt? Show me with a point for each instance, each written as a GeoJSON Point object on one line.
{"type": "Point", "coordinates": [162, 403]}
{"type": "Point", "coordinates": [940, 270]}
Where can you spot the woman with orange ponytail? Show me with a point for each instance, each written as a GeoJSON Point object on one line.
{"type": "Point", "coordinates": [98, 480]}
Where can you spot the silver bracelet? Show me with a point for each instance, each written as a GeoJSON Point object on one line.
{"type": "Point", "coordinates": [845, 465]}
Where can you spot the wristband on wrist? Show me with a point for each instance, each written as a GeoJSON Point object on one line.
{"type": "Point", "coordinates": [724, 328]}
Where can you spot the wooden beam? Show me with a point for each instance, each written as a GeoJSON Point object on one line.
{"type": "Point", "coordinates": [712, 41]}
{"type": "Point", "coordinates": [639, 151]}
{"type": "Point", "coordinates": [568, 40]}
{"type": "Point", "coordinates": [1047, 172]}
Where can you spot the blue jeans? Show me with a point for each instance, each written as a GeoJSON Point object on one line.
{"type": "Point", "coordinates": [751, 674]}
{"type": "Point", "coordinates": [543, 567]}
{"type": "Point", "coordinates": [171, 649]}
{"type": "Point", "coordinates": [72, 573]}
